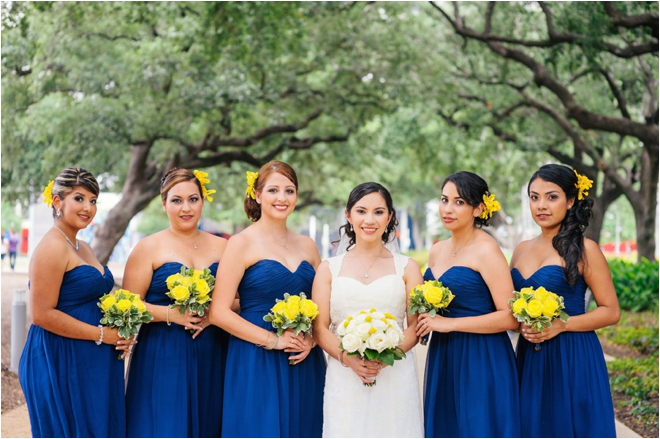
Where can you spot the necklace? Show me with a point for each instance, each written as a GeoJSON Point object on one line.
{"type": "Point", "coordinates": [76, 245]}
{"type": "Point", "coordinates": [460, 248]}
{"type": "Point", "coordinates": [366, 273]}
{"type": "Point", "coordinates": [285, 243]}
{"type": "Point", "coordinates": [182, 240]}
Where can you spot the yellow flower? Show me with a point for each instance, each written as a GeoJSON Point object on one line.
{"type": "Point", "coordinates": [541, 294]}
{"type": "Point", "coordinates": [519, 305]}
{"type": "Point", "coordinates": [171, 280]}
{"type": "Point", "coordinates": [389, 316]}
{"type": "Point", "coordinates": [491, 205]}
{"type": "Point", "coordinates": [203, 181]}
{"type": "Point", "coordinates": [180, 293]}
{"type": "Point", "coordinates": [372, 310]}
{"type": "Point", "coordinates": [108, 302]}
{"type": "Point", "coordinates": [279, 308]}
{"type": "Point", "coordinates": [202, 298]}
{"type": "Point", "coordinates": [251, 179]}
{"type": "Point", "coordinates": [583, 185]}
{"type": "Point", "coordinates": [309, 308]}
{"type": "Point", "coordinates": [372, 331]}
{"type": "Point", "coordinates": [140, 305]}
{"type": "Point", "coordinates": [197, 274]}
{"type": "Point", "coordinates": [549, 308]}
{"type": "Point", "coordinates": [48, 193]}
{"type": "Point", "coordinates": [292, 308]}
{"type": "Point", "coordinates": [433, 295]}
{"type": "Point", "coordinates": [368, 319]}
{"type": "Point", "coordinates": [124, 304]}
{"type": "Point", "coordinates": [202, 287]}
{"type": "Point", "coordinates": [534, 308]}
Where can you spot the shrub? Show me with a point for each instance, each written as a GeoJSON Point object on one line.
{"type": "Point", "coordinates": [636, 284]}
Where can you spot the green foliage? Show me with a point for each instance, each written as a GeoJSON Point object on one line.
{"type": "Point", "coordinates": [637, 378]}
{"type": "Point", "coordinates": [635, 330]}
{"type": "Point", "coordinates": [636, 284]}
{"type": "Point", "coordinates": [10, 220]}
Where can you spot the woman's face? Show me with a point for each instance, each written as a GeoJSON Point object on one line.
{"type": "Point", "coordinates": [455, 212]}
{"type": "Point", "coordinates": [369, 217]}
{"type": "Point", "coordinates": [78, 207]}
{"type": "Point", "coordinates": [547, 203]}
{"type": "Point", "coordinates": [183, 205]}
{"type": "Point", "coordinates": [278, 197]}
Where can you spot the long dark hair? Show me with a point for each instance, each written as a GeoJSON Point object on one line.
{"type": "Point", "coordinates": [569, 241]}
{"type": "Point", "coordinates": [472, 189]}
{"type": "Point", "coordinates": [359, 192]}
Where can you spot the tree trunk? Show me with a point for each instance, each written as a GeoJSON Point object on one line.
{"type": "Point", "coordinates": [646, 209]}
{"type": "Point", "coordinates": [608, 195]}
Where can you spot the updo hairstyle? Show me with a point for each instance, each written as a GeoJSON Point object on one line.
{"type": "Point", "coordinates": [69, 178]}
{"type": "Point", "coordinates": [175, 176]}
{"type": "Point", "coordinates": [472, 189]}
{"type": "Point", "coordinates": [250, 205]}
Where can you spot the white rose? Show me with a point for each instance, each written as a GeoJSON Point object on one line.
{"type": "Point", "coordinates": [351, 342]}
{"type": "Point", "coordinates": [379, 325]}
{"type": "Point", "coordinates": [341, 331]}
{"type": "Point", "coordinates": [378, 342]}
{"type": "Point", "coordinates": [395, 335]}
{"type": "Point", "coordinates": [359, 318]}
{"type": "Point", "coordinates": [377, 315]}
{"type": "Point", "coordinates": [362, 330]}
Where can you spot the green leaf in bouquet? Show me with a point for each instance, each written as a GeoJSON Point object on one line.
{"type": "Point", "coordinates": [387, 357]}
{"type": "Point", "coordinates": [371, 354]}
{"type": "Point", "coordinates": [432, 312]}
{"type": "Point", "coordinates": [119, 322]}
{"type": "Point", "coordinates": [563, 316]}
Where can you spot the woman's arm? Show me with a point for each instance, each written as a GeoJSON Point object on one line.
{"type": "Point", "coordinates": [412, 277]}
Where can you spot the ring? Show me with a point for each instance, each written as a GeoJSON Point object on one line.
{"type": "Point", "coordinates": [291, 340]}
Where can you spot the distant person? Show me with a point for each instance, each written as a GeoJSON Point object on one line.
{"type": "Point", "coordinates": [176, 379]}
{"type": "Point", "coordinates": [565, 379]}
{"type": "Point", "coordinates": [69, 371]}
{"type": "Point", "coordinates": [471, 386]}
{"type": "Point", "coordinates": [4, 246]}
{"type": "Point", "coordinates": [12, 248]}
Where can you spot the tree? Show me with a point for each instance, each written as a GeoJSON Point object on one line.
{"type": "Point", "coordinates": [578, 80]}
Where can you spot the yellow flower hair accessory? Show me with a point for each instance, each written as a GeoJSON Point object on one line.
{"type": "Point", "coordinates": [491, 205]}
{"type": "Point", "coordinates": [48, 193]}
{"type": "Point", "coordinates": [203, 181]}
{"type": "Point", "coordinates": [251, 179]}
{"type": "Point", "coordinates": [583, 185]}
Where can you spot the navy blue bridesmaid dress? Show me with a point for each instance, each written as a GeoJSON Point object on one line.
{"type": "Point", "coordinates": [264, 395]}
{"type": "Point", "coordinates": [566, 381]}
{"type": "Point", "coordinates": [74, 388]}
{"type": "Point", "coordinates": [471, 385]}
{"type": "Point", "coordinates": [175, 382]}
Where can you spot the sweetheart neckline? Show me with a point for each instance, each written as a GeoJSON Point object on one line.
{"type": "Point", "coordinates": [362, 283]}
{"type": "Point", "coordinates": [537, 270]}
{"type": "Point", "coordinates": [447, 270]}
{"type": "Point", "coordinates": [281, 264]}
{"type": "Point", "coordinates": [183, 265]}
{"type": "Point", "coordinates": [105, 269]}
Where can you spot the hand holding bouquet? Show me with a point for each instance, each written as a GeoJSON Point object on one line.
{"type": "Point", "coordinates": [537, 308]}
{"type": "Point", "coordinates": [373, 336]}
{"type": "Point", "coordinates": [430, 297]}
{"type": "Point", "coordinates": [294, 312]}
{"type": "Point", "coordinates": [191, 290]}
{"type": "Point", "coordinates": [125, 311]}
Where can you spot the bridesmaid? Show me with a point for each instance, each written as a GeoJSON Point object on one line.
{"type": "Point", "coordinates": [69, 372]}
{"type": "Point", "coordinates": [175, 380]}
{"type": "Point", "coordinates": [264, 395]}
{"type": "Point", "coordinates": [471, 385]}
{"type": "Point", "coordinates": [565, 384]}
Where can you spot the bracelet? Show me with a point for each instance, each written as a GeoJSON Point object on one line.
{"type": "Point", "coordinates": [100, 340]}
{"type": "Point", "coordinates": [168, 315]}
{"type": "Point", "coordinates": [271, 343]}
{"type": "Point", "coordinates": [340, 360]}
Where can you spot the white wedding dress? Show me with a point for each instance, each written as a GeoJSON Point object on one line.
{"type": "Point", "coordinates": [391, 408]}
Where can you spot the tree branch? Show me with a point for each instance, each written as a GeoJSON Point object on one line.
{"type": "Point", "coordinates": [620, 99]}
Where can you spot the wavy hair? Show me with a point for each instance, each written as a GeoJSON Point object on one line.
{"type": "Point", "coordinates": [569, 241]}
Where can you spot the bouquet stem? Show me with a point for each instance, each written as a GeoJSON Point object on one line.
{"type": "Point", "coordinates": [371, 384]}
{"type": "Point", "coordinates": [292, 362]}
{"type": "Point", "coordinates": [425, 340]}
{"type": "Point", "coordinates": [537, 347]}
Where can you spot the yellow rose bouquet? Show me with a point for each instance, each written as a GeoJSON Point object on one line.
{"type": "Point", "coordinates": [294, 312]}
{"type": "Point", "coordinates": [537, 308]}
{"type": "Point", "coordinates": [430, 297]}
{"type": "Point", "coordinates": [372, 335]}
{"type": "Point", "coordinates": [191, 290]}
{"type": "Point", "coordinates": [124, 310]}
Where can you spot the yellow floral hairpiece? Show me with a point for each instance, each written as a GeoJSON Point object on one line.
{"type": "Point", "coordinates": [203, 181]}
{"type": "Point", "coordinates": [491, 205]}
{"type": "Point", "coordinates": [48, 193]}
{"type": "Point", "coordinates": [251, 179]}
{"type": "Point", "coordinates": [583, 185]}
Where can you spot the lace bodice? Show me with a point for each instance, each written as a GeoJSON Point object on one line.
{"type": "Point", "coordinates": [350, 296]}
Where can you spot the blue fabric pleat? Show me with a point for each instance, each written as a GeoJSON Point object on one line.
{"type": "Point", "coordinates": [175, 382]}
{"type": "Point", "coordinates": [567, 378]}
{"type": "Point", "coordinates": [264, 395]}
{"type": "Point", "coordinates": [470, 384]}
{"type": "Point", "coordinates": [74, 388]}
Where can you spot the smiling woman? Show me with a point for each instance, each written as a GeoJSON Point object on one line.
{"type": "Point", "coordinates": [66, 349]}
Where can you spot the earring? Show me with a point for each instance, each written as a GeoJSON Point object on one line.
{"type": "Point", "coordinates": [59, 213]}
{"type": "Point", "coordinates": [258, 202]}
{"type": "Point", "coordinates": [349, 227]}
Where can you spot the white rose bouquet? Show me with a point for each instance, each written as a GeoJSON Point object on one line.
{"type": "Point", "coordinates": [372, 335]}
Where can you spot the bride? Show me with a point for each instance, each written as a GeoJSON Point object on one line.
{"type": "Point", "coordinates": [368, 275]}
